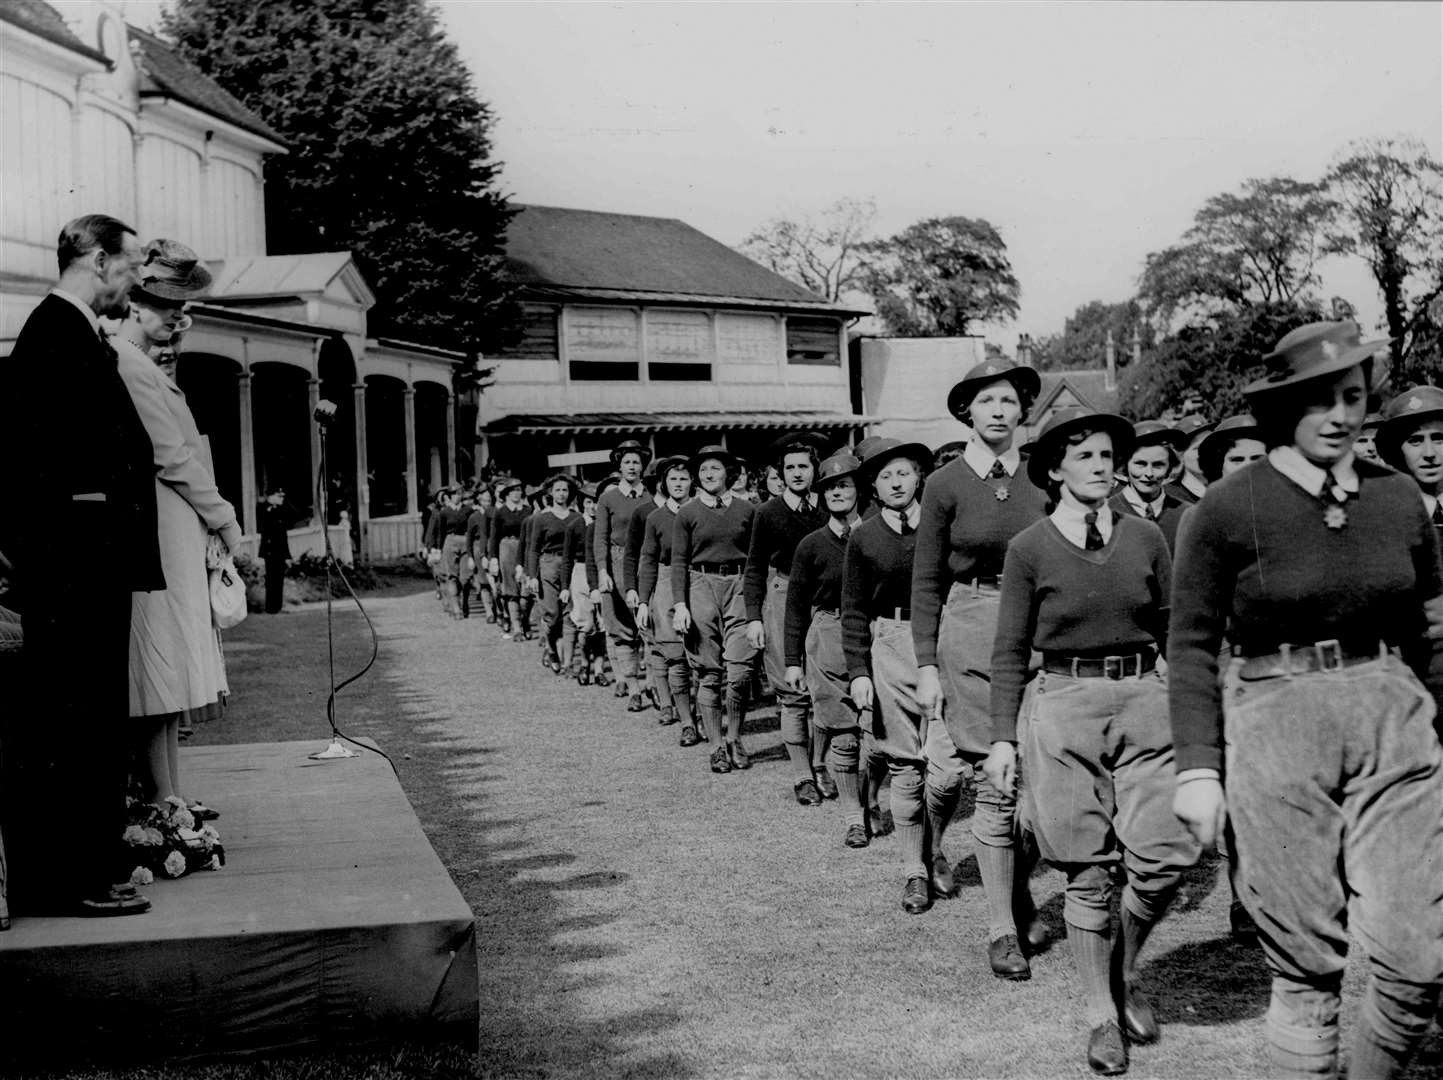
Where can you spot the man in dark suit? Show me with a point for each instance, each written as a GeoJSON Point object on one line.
{"type": "Point", "coordinates": [275, 547]}
{"type": "Point", "coordinates": [80, 527]}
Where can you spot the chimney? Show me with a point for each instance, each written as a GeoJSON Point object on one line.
{"type": "Point", "coordinates": [1024, 350]}
{"type": "Point", "coordinates": [1111, 384]}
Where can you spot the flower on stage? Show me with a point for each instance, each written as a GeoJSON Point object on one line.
{"type": "Point", "coordinates": [183, 818]}
{"type": "Point", "coordinates": [174, 865]}
{"type": "Point", "coordinates": [215, 863]}
{"type": "Point", "coordinates": [134, 834]}
{"type": "Point", "coordinates": [166, 839]}
{"type": "Point", "coordinates": [155, 838]}
{"type": "Point", "coordinates": [210, 833]}
{"type": "Point", "coordinates": [142, 876]}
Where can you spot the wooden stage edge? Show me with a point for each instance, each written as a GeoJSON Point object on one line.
{"type": "Point", "coordinates": [332, 923]}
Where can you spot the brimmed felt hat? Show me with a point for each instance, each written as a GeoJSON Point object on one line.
{"type": "Point", "coordinates": [1025, 379]}
{"type": "Point", "coordinates": [863, 448]}
{"type": "Point", "coordinates": [630, 446]}
{"type": "Point", "coordinates": [884, 450]}
{"type": "Point", "coordinates": [561, 477]}
{"type": "Point", "coordinates": [657, 470]}
{"type": "Point", "coordinates": [1195, 428]}
{"type": "Point", "coordinates": [588, 491]}
{"type": "Point", "coordinates": [1312, 352]}
{"type": "Point", "coordinates": [1064, 423]}
{"type": "Point", "coordinates": [1372, 420]}
{"type": "Point", "coordinates": [842, 465]}
{"type": "Point", "coordinates": [1402, 415]}
{"type": "Point", "coordinates": [172, 273]}
{"type": "Point", "coordinates": [503, 486]}
{"type": "Point", "coordinates": [1217, 442]}
{"type": "Point", "coordinates": [721, 453]}
{"type": "Point", "coordinates": [1158, 433]}
{"type": "Point", "coordinates": [956, 446]}
{"type": "Point", "coordinates": [796, 442]}
{"type": "Point", "coordinates": [610, 480]}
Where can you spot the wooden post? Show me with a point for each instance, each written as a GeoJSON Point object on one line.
{"type": "Point", "coordinates": [408, 398]}
{"type": "Point", "coordinates": [313, 396]}
{"type": "Point", "coordinates": [451, 457]}
{"type": "Point", "coordinates": [247, 508]}
{"type": "Point", "coordinates": [363, 483]}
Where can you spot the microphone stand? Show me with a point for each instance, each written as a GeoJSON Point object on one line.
{"type": "Point", "coordinates": [336, 749]}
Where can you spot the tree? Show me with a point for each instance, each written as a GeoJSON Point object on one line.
{"type": "Point", "coordinates": [1391, 196]}
{"type": "Point", "coordinates": [1258, 247]}
{"type": "Point", "coordinates": [390, 153]}
{"type": "Point", "coordinates": [1083, 341]}
{"type": "Point", "coordinates": [820, 252]}
{"type": "Point", "coordinates": [940, 277]}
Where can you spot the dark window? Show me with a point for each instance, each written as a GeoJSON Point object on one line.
{"type": "Point", "coordinates": [813, 341]}
{"type": "Point", "coordinates": [537, 335]}
{"type": "Point", "coordinates": [605, 371]}
{"type": "Point", "coordinates": [671, 372]}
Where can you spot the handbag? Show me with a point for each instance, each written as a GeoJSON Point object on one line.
{"type": "Point", "coordinates": [227, 587]}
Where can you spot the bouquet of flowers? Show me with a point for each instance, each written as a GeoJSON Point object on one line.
{"type": "Point", "coordinates": [169, 841]}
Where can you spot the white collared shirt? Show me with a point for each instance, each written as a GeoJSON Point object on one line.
{"type": "Point", "coordinates": [672, 505]}
{"type": "Point", "coordinates": [1071, 521]}
{"type": "Point", "coordinates": [1430, 502]}
{"type": "Point", "coordinates": [85, 309]}
{"type": "Point", "coordinates": [1138, 503]}
{"type": "Point", "coordinates": [981, 459]}
{"type": "Point", "coordinates": [893, 518]}
{"type": "Point", "coordinates": [837, 524]}
{"type": "Point", "coordinates": [713, 501]}
{"type": "Point", "coordinates": [635, 491]}
{"type": "Point", "coordinates": [797, 502]}
{"type": "Point", "coordinates": [1311, 478]}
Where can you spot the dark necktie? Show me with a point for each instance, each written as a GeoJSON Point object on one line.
{"type": "Point", "coordinates": [1438, 515]}
{"type": "Point", "coordinates": [1094, 534]}
{"type": "Point", "coordinates": [997, 472]}
{"type": "Point", "coordinates": [906, 529]}
{"type": "Point", "coordinates": [1151, 513]}
{"type": "Point", "coordinates": [846, 532]}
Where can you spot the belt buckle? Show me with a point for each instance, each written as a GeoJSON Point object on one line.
{"type": "Point", "coordinates": [1330, 654]}
{"type": "Point", "coordinates": [1114, 664]}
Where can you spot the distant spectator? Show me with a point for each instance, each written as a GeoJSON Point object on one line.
{"type": "Point", "coordinates": [275, 547]}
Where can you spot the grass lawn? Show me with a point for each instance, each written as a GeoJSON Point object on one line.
{"type": "Point", "coordinates": [638, 917]}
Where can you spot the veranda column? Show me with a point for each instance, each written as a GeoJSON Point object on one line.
{"type": "Point", "coordinates": [409, 398]}
{"type": "Point", "coordinates": [451, 455]}
{"type": "Point", "coordinates": [248, 500]}
{"type": "Point", "coordinates": [363, 484]}
{"type": "Point", "coordinates": [313, 395]}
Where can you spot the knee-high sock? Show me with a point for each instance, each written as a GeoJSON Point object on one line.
{"type": "Point", "coordinates": [1133, 933]}
{"type": "Point", "coordinates": [736, 706]}
{"type": "Point", "coordinates": [513, 608]}
{"type": "Point", "coordinates": [842, 755]}
{"type": "Point", "coordinates": [910, 815]}
{"type": "Point", "coordinates": [1092, 952]}
{"type": "Point", "coordinates": [821, 737]}
{"type": "Point", "coordinates": [660, 681]}
{"type": "Point", "coordinates": [941, 806]}
{"type": "Point", "coordinates": [709, 705]}
{"type": "Point", "coordinates": [998, 869]}
{"type": "Point", "coordinates": [678, 677]}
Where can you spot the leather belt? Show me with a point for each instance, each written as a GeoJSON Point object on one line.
{"type": "Point", "coordinates": [898, 614]}
{"type": "Point", "coordinates": [1329, 655]}
{"type": "Point", "coordinates": [983, 581]}
{"type": "Point", "coordinates": [723, 568]}
{"type": "Point", "coordinates": [1130, 666]}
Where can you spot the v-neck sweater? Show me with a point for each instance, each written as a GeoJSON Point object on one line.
{"type": "Point", "coordinates": [876, 581]}
{"type": "Point", "coordinates": [655, 550]}
{"type": "Point", "coordinates": [635, 534]}
{"type": "Point", "coordinates": [813, 584]}
{"type": "Point", "coordinates": [776, 532]}
{"type": "Point", "coordinates": [708, 534]}
{"type": "Point", "coordinates": [505, 523]}
{"type": "Point", "coordinates": [548, 537]}
{"type": "Point", "coordinates": [1059, 598]}
{"type": "Point", "coordinates": [963, 534]}
{"type": "Point", "coordinates": [1255, 558]}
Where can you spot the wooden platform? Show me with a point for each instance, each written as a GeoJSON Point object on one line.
{"type": "Point", "coordinates": [332, 922]}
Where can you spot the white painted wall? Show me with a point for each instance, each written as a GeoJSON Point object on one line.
{"type": "Point", "coordinates": [905, 382]}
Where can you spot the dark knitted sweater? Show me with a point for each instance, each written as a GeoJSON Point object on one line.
{"type": "Point", "coordinates": [657, 531]}
{"type": "Point", "coordinates": [478, 528]}
{"type": "Point", "coordinates": [505, 523]}
{"type": "Point", "coordinates": [635, 534]}
{"type": "Point", "coordinates": [1168, 519]}
{"type": "Point", "coordinates": [963, 535]}
{"type": "Point", "coordinates": [613, 518]}
{"type": "Point", "coordinates": [1256, 559]}
{"type": "Point", "coordinates": [814, 584]}
{"type": "Point", "coordinates": [548, 537]}
{"type": "Point", "coordinates": [876, 580]}
{"type": "Point", "coordinates": [776, 532]}
{"type": "Point", "coordinates": [705, 534]}
{"type": "Point", "coordinates": [1056, 597]}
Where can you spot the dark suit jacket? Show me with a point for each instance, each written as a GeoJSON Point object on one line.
{"type": "Point", "coordinates": [68, 428]}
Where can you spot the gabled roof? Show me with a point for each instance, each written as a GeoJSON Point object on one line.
{"type": "Point", "coordinates": [44, 21]}
{"type": "Point", "coordinates": [1087, 385]}
{"type": "Point", "coordinates": [173, 77]}
{"type": "Point", "coordinates": [631, 255]}
{"type": "Point", "coordinates": [244, 279]}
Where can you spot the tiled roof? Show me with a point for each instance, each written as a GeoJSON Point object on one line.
{"type": "Point", "coordinates": [44, 21]}
{"type": "Point", "coordinates": [174, 77]}
{"type": "Point", "coordinates": [1088, 385]}
{"type": "Point", "coordinates": [612, 423]}
{"type": "Point", "coordinates": [631, 255]}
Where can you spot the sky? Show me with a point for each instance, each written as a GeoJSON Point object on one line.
{"type": "Point", "coordinates": [1088, 134]}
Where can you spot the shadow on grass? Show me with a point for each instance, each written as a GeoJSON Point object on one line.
{"type": "Point", "coordinates": [1209, 982]}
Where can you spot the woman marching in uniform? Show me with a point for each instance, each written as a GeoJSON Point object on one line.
{"type": "Point", "coordinates": [881, 664]}
{"type": "Point", "coordinates": [709, 553]}
{"type": "Point", "coordinates": [812, 645]}
{"type": "Point", "coordinates": [1088, 588]}
{"type": "Point", "coordinates": [654, 595]}
{"type": "Point", "coordinates": [970, 510]}
{"type": "Point", "coordinates": [503, 547]}
{"type": "Point", "coordinates": [1235, 442]}
{"type": "Point", "coordinates": [1155, 456]}
{"type": "Point", "coordinates": [1319, 566]}
{"type": "Point", "coordinates": [545, 558]}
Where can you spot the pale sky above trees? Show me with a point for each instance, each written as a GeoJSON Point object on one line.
{"type": "Point", "coordinates": [1089, 134]}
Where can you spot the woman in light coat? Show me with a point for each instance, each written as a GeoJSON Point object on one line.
{"type": "Point", "coordinates": [176, 671]}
